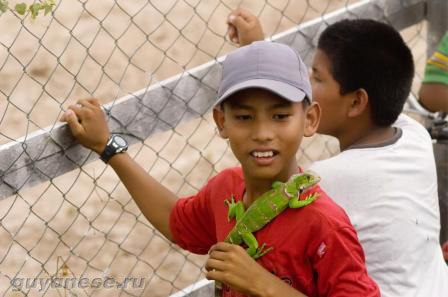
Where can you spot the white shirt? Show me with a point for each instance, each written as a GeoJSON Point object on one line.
{"type": "Point", "coordinates": [389, 192]}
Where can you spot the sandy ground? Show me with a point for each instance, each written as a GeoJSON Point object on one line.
{"type": "Point", "coordinates": [86, 219]}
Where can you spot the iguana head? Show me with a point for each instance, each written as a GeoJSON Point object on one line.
{"type": "Point", "coordinates": [300, 182]}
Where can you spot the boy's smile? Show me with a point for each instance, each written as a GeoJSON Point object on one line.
{"type": "Point", "coordinates": [264, 132]}
{"type": "Point", "coordinates": [264, 156]}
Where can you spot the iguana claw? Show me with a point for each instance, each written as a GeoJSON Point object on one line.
{"type": "Point", "coordinates": [236, 209]}
{"type": "Point", "coordinates": [260, 252]}
{"type": "Point", "coordinates": [231, 202]}
{"type": "Point", "coordinates": [296, 203]}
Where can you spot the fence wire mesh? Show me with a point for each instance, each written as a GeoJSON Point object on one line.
{"type": "Point", "coordinates": [84, 224]}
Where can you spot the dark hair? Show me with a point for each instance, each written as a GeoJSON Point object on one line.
{"type": "Point", "coordinates": [370, 55]}
{"type": "Point", "coordinates": [306, 102]}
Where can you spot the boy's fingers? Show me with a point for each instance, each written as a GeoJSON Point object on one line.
{"type": "Point", "coordinates": [94, 101]}
{"type": "Point", "coordinates": [216, 247]}
{"type": "Point", "coordinates": [231, 32]}
{"type": "Point", "coordinates": [233, 35]}
{"type": "Point", "coordinates": [247, 16]}
{"type": "Point", "coordinates": [214, 275]}
{"type": "Point", "coordinates": [229, 17]}
{"type": "Point", "coordinates": [239, 22]}
{"type": "Point", "coordinates": [85, 103]}
{"type": "Point", "coordinates": [218, 255]}
{"type": "Point", "coordinates": [213, 264]}
{"type": "Point", "coordinates": [72, 121]}
{"type": "Point", "coordinates": [222, 246]}
{"type": "Point", "coordinates": [76, 109]}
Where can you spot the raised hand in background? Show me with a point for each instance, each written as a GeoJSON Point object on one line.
{"type": "Point", "coordinates": [244, 27]}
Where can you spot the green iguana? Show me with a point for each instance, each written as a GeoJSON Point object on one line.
{"type": "Point", "coordinates": [265, 209]}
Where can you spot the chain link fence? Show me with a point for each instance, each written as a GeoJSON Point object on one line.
{"type": "Point", "coordinates": [83, 224]}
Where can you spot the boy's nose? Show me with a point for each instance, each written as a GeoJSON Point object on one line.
{"type": "Point", "coordinates": [262, 131]}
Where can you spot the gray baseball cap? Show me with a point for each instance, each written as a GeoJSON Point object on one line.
{"type": "Point", "coordinates": [267, 65]}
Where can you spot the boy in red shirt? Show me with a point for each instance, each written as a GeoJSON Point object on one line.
{"type": "Point", "coordinates": [264, 108]}
{"type": "Point", "coordinates": [362, 74]}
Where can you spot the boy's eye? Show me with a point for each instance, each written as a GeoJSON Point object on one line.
{"type": "Point", "coordinates": [243, 117]}
{"type": "Point", "coordinates": [281, 116]}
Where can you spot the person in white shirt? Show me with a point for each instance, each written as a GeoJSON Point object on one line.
{"type": "Point", "coordinates": [385, 176]}
{"type": "Point", "coordinates": [389, 191]}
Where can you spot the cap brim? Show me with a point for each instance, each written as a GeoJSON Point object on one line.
{"type": "Point", "coordinates": [282, 89]}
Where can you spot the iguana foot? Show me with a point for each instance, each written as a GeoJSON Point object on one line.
{"type": "Point", "coordinates": [230, 201]}
{"type": "Point", "coordinates": [296, 203]}
{"type": "Point", "coordinates": [231, 204]}
{"type": "Point", "coordinates": [311, 198]}
{"type": "Point", "coordinates": [260, 253]}
{"type": "Point", "coordinates": [235, 209]}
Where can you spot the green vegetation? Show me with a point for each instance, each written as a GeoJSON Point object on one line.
{"type": "Point", "coordinates": [46, 6]}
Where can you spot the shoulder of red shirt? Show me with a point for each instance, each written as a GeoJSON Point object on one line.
{"type": "Point", "coordinates": [324, 208]}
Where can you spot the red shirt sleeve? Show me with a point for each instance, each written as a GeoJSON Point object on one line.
{"type": "Point", "coordinates": [192, 222]}
{"type": "Point", "coordinates": [340, 265]}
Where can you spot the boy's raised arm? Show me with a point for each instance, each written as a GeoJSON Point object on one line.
{"type": "Point", "coordinates": [244, 27]}
{"type": "Point", "coordinates": [434, 90]}
{"type": "Point", "coordinates": [88, 124]}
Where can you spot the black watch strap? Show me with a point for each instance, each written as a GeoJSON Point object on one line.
{"type": "Point", "coordinates": [112, 148]}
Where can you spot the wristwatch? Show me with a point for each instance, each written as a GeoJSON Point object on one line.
{"type": "Point", "coordinates": [115, 145]}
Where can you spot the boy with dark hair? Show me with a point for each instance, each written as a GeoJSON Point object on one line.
{"type": "Point", "coordinates": [385, 176]}
{"type": "Point", "coordinates": [369, 57]}
{"type": "Point", "coordinates": [264, 109]}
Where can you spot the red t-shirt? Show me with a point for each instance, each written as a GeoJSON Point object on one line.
{"type": "Point", "coordinates": [316, 249]}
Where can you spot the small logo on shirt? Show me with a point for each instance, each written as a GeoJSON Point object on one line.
{"type": "Point", "coordinates": [322, 250]}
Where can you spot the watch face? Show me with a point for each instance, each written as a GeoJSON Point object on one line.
{"type": "Point", "coordinates": [120, 141]}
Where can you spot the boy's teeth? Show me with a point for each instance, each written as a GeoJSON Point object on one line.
{"type": "Point", "coordinates": [263, 154]}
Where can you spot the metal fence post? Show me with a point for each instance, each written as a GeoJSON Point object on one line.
{"type": "Point", "coordinates": [437, 17]}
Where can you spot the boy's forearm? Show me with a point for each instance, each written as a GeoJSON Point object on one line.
{"type": "Point", "coordinates": [154, 200]}
{"type": "Point", "coordinates": [434, 96]}
{"type": "Point", "coordinates": [275, 287]}
{"type": "Point", "coordinates": [88, 124]}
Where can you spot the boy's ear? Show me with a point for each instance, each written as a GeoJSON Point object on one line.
{"type": "Point", "coordinates": [358, 103]}
{"type": "Point", "coordinates": [312, 119]}
{"type": "Point", "coordinates": [218, 116]}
